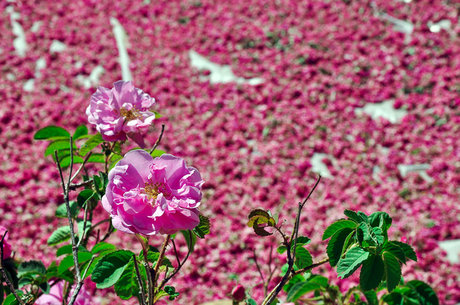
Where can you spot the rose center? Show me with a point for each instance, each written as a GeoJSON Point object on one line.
{"type": "Point", "coordinates": [153, 189]}
{"type": "Point", "coordinates": [130, 114]}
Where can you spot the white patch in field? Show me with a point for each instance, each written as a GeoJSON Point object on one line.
{"type": "Point", "coordinates": [29, 85]}
{"type": "Point", "coordinates": [219, 73]}
{"type": "Point", "coordinates": [436, 27]}
{"type": "Point", "coordinates": [319, 167]}
{"type": "Point", "coordinates": [452, 247]}
{"type": "Point", "coordinates": [57, 46]}
{"type": "Point", "coordinates": [19, 43]}
{"type": "Point", "coordinates": [39, 65]}
{"type": "Point", "coordinates": [36, 26]}
{"type": "Point", "coordinates": [93, 79]}
{"type": "Point", "coordinates": [399, 25]}
{"type": "Point", "coordinates": [384, 110]}
{"type": "Point", "coordinates": [421, 169]}
{"type": "Point", "coordinates": [375, 173]}
{"type": "Point", "coordinates": [122, 43]}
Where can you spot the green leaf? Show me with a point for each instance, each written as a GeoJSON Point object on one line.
{"type": "Point", "coordinates": [371, 273]}
{"type": "Point", "coordinates": [335, 245]}
{"type": "Point", "coordinates": [281, 249]}
{"type": "Point", "coordinates": [157, 115]}
{"type": "Point", "coordinates": [353, 216]}
{"type": "Point", "coordinates": [425, 293]}
{"type": "Point", "coordinates": [395, 298]}
{"type": "Point", "coordinates": [68, 262]}
{"type": "Point", "coordinates": [259, 216]}
{"type": "Point", "coordinates": [90, 144]}
{"type": "Point", "coordinates": [57, 146]}
{"type": "Point", "coordinates": [171, 291]}
{"type": "Point", "coordinates": [80, 225]}
{"type": "Point", "coordinates": [381, 220]}
{"type": "Point", "coordinates": [392, 270]}
{"type": "Point", "coordinates": [396, 250]}
{"type": "Point", "coordinates": [302, 257]}
{"type": "Point", "coordinates": [86, 196]}
{"type": "Point", "coordinates": [51, 132]}
{"type": "Point", "coordinates": [407, 249]}
{"type": "Point", "coordinates": [11, 299]}
{"type": "Point", "coordinates": [337, 226]}
{"type": "Point", "coordinates": [250, 301]}
{"type": "Point", "coordinates": [65, 161]}
{"type": "Point", "coordinates": [31, 267]}
{"type": "Point", "coordinates": [300, 289]}
{"type": "Point", "coordinates": [352, 260]}
{"type": "Point", "coordinates": [102, 247]}
{"type": "Point", "coordinates": [320, 280]}
{"type": "Point", "coordinates": [301, 241]}
{"type": "Point", "coordinates": [60, 235]}
{"type": "Point", "coordinates": [45, 287]}
{"type": "Point", "coordinates": [110, 268]}
{"type": "Point", "coordinates": [95, 158]}
{"type": "Point", "coordinates": [61, 210]}
{"type": "Point", "coordinates": [203, 227]}
{"type": "Point", "coordinates": [371, 297]}
{"type": "Point", "coordinates": [67, 249]}
{"type": "Point", "coordinates": [295, 279]}
{"type": "Point", "coordinates": [157, 153]}
{"type": "Point", "coordinates": [127, 286]}
{"type": "Point", "coordinates": [81, 131]}
{"type": "Point", "coordinates": [190, 239]}
{"type": "Point", "coordinates": [114, 158]}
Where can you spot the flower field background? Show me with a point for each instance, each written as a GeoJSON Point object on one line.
{"type": "Point", "coordinates": [261, 97]}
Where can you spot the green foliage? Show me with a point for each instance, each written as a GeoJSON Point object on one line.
{"type": "Point", "coordinates": [190, 239]}
{"type": "Point", "coordinates": [67, 249]}
{"type": "Point", "coordinates": [110, 268]}
{"type": "Point", "coordinates": [371, 272]}
{"type": "Point", "coordinates": [90, 144]}
{"type": "Point", "coordinates": [127, 286]}
{"type": "Point", "coordinates": [60, 235]}
{"type": "Point", "coordinates": [302, 257]}
{"type": "Point", "coordinates": [352, 260]}
{"type": "Point", "coordinates": [61, 210]}
{"type": "Point", "coordinates": [335, 245]}
{"type": "Point", "coordinates": [171, 291]}
{"type": "Point", "coordinates": [68, 261]}
{"type": "Point", "coordinates": [413, 293]}
{"type": "Point", "coordinates": [338, 226]}
{"type": "Point", "coordinates": [392, 270]}
{"type": "Point", "coordinates": [80, 132]}
{"type": "Point", "coordinates": [259, 219]}
{"type": "Point", "coordinates": [300, 289]}
{"type": "Point", "coordinates": [31, 268]}
{"type": "Point", "coordinates": [51, 132]}
{"type": "Point", "coordinates": [157, 153]}
{"type": "Point", "coordinates": [11, 299]}
{"type": "Point", "coordinates": [203, 227]}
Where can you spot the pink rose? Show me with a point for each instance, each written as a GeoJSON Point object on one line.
{"type": "Point", "coordinates": [55, 297]}
{"type": "Point", "coordinates": [238, 293]}
{"type": "Point", "coordinates": [150, 196]}
{"type": "Point", "coordinates": [121, 111]}
{"type": "Point", "coordinates": [6, 244]}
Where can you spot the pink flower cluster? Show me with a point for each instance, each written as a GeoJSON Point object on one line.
{"type": "Point", "coordinates": [121, 111]}
{"type": "Point", "coordinates": [320, 61]}
{"type": "Point", "coordinates": [150, 196]}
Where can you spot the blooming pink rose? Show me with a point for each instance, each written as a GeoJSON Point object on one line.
{"type": "Point", "coordinates": [151, 196]}
{"type": "Point", "coordinates": [6, 244]}
{"type": "Point", "coordinates": [55, 297]}
{"type": "Point", "coordinates": [121, 111]}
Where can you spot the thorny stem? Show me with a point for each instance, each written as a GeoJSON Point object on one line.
{"type": "Point", "coordinates": [139, 280]}
{"type": "Point", "coordinates": [166, 279]}
{"type": "Point", "coordinates": [75, 186]}
{"type": "Point", "coordinates": [160, 259]}
{"type": "Point", "coordinates": [290, 256]}
{"type": "Point", "coordinates": [159, 139]}
{"type": "Point", "coordinates": [150, 286]}
{"type": "Point", "coordinates": [65, 188]}
{"type": "Point", "coordinates": [81, 166]}
{"type": "Point", "coordinates": [5, 276]}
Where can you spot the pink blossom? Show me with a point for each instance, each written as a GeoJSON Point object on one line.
{"type": "Point", "coordinates": [6, 244]}
{"type": "Point", "coordinates": [55, 297]}
{"type": "Point", "coordinates": [121, 111]}
{"type": "Point", "coordinates": [150, 196]}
